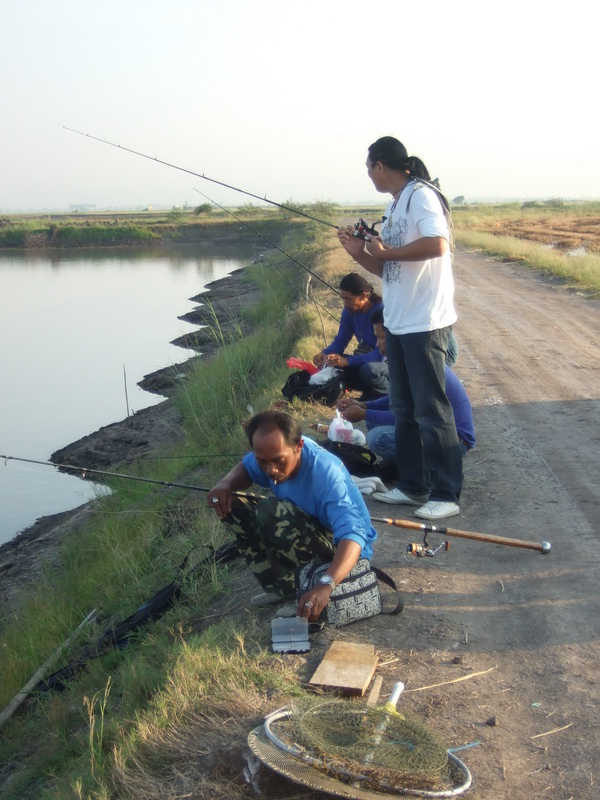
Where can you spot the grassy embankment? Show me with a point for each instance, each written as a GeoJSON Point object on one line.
{"type": "Point", "coordinates": [131, 229]}
{"type": "Point", "coordinates": [197, 679]}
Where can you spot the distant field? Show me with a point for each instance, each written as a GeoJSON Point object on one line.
{"type": "Point", "coordinates": [561, 238]}
{"type": "Point", "coordinates": [566, 227]}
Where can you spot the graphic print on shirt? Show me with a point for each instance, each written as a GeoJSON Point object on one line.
{"type": "Point", "coordinates": [394, 235]}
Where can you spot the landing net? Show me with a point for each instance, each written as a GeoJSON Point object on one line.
{"type": "Point", "coordinates": [376, 748]}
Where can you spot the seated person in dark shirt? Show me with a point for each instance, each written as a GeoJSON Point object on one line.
{"type": "Point", "coordinates": [380, 420]}
{"type": "Point", "coordinates": [366, 369]}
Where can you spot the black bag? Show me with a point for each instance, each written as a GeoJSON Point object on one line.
{"type": "Point", "coordinates": [356, 597]}
{"type": "Point", "coordinates": [297, 385]}
{"type": "Point", "coordinates": [359, 460]}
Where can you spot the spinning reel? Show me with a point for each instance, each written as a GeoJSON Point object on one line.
{"type": "Point", "coordinates": [363, 231]}
{"type": "Point", "coordinates": [425, 549]}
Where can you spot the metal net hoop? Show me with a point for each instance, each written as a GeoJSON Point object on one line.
{"type": "Point", "coordinates": [377, 747]}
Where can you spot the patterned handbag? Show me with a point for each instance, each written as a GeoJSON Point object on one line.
{"type": "Point", "coordinates": [356, 597]}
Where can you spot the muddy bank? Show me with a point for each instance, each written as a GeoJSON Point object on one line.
{"type": "Point", "coordinates": [150, 431]}
{"type": "Point", "coordinates": [221, 315]}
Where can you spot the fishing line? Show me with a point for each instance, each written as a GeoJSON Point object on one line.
{"type": "Point", "coordinates": [287, 255]}
{"type": "Point", "coordinates": [204, 177]}
{"type": "Point", "coordinates": [189, 458]}
{"type": "Point", "coordinates": [85, 470]}
{"type": "Point", "coordinates": [227, 186]}
{"type": "Point", "coordinates": [262, 236]}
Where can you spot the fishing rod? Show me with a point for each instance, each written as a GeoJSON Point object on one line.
{"type": "Point", "coordinates": [358, 233]}
{"type": "Point", "coordinates": [544, 547]}
{"type": "Point", "coordinates": [258, 233]}
{"type": "Point", "coordinates": [85, 470]}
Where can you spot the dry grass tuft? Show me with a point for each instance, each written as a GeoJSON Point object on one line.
{"type": "Point", "coordinates": [199, 754]}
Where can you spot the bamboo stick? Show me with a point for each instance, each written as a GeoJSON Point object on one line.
{"type": "Point", "coordinates": [35, 679]}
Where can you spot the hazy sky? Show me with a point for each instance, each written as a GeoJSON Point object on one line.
{"type": "Point", "coordinates": [283, 99]}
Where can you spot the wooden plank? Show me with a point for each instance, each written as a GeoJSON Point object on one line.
{"type": "Point", "coordinates": [373, 697]}
{"type": "Point", "coordinates": [347, 666]}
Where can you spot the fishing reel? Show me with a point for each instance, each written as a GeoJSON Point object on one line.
{"type": "Point", "coordinates": [363, 231]}
{"type": "Point", "coordinates": [425, 549]}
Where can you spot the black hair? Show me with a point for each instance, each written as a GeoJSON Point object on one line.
{"type": "Point", "coordinates": [393, 154]}
{"type": "Point", "coordinates": [377, 317]}
{"type": "Point", "coordinates": [356, 285]}
{"type": "Point", "coordinates": [270, 420]}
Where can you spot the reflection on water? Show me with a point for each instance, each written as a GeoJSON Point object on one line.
{"type": "Point", "coordinates": [73, 323]}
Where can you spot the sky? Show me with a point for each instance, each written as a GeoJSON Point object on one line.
{"type": "Point", "coordinates": [283, 99]}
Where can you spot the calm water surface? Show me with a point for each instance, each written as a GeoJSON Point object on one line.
{"type": "Point", "coordinates": [70, 324]}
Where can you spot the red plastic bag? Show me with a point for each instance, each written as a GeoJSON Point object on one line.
{"type": "Point", "coordinates": [296, 363]}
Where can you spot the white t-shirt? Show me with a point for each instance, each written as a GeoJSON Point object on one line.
{"type": "Point", "coordinates": [417, 295]}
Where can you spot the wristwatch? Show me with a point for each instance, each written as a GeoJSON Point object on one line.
{"type": "Point", "coordinates": [327, 580]}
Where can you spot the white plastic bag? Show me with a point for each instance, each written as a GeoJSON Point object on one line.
{"type": "Point", "coordinates": [369, 485]}
{"type": "Point", "coordinates": [340, 429]}
{"type": "Point", "coordinates": [358, 437]}
{"type": "Point", "coordinates": [324, 375]}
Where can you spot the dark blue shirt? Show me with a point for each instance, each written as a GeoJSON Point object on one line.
{"type": "Point", "coordinates": [378, 411]}
{"type": "Point", "coordinates": [358, 324]}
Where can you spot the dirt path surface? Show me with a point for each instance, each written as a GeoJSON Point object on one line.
{"type": "Point", "coordinates": [529, 359]}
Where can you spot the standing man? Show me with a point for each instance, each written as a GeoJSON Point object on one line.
{"type": "Point", "coordinates": [315, 511]}
{"type": "Point", "coordinates": [414, 260]}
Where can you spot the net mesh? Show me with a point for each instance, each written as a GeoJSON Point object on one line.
{"type": "Point", "coordinates": [379, 747]}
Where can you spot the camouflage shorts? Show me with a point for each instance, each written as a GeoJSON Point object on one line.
{"type": "Point", "coordinates": [275, 537]}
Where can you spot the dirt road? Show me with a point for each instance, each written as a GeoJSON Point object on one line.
{"type": "Point", "coordinates": [530, 362]}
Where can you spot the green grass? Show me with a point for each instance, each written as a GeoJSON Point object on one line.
{"type": "Point", "coordinates": [100, 236]}
{"type": "Point", "coordinates": [465, 214]}
{"type": "Point", "coordinates": [142, 228]}
{"type": "Point", "coordinates": [12, 238]}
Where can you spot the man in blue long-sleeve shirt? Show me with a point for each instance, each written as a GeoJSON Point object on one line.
{"type": "Point", "coordinates": [315, 511]}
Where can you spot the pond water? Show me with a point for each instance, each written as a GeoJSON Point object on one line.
{"type": "Point", "coordinates": [77, 329]}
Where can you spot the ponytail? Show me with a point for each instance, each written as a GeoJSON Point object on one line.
{"type": "Point", "coordinates": [417, 169]}
{"type": "Point", "coordinates": [393, 154]}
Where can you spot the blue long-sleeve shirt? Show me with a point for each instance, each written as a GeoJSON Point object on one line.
{"type": "Point", "coordinates": [324, 489]}
{"type": "Point", "coordinates": [356, 323]}
{"type": "Point", "coordinates": [378, 411]}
